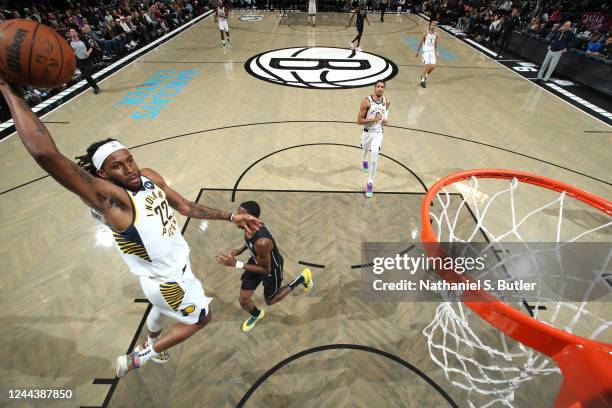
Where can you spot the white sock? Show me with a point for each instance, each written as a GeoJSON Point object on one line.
{"type": "Point", "coordinates": [146, 354]}
{"type": "Point", "coordinates": [365, 154]}
{"type": "Point", "coordinates": [152, 340]}
{"type": "Point", "coordinates": [373, 163]}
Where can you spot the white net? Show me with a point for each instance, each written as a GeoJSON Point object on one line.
{"type": "Point", "coordinates": [476, 357]}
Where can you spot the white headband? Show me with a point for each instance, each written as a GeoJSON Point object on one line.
{"type": "Point", "coordinates": [104, 151]}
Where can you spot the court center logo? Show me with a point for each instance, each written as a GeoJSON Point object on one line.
{"type": "Point", "coordinates": [250, 18]}
{"type": "Point", "coordinates": [320, 67]}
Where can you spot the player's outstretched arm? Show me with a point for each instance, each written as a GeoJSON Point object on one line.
{"type": "Point", "coordinates": [100, 194]}
{"type": "Point", "coordinates": [195, 210]}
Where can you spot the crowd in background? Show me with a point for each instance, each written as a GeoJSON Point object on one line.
{"type": "Point", "coordinates": [487, 20]}
{"type": "Point", "coordinates": [112, 28]}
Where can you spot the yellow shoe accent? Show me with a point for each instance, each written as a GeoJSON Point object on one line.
{"type": "Point", "coordinates": [308, 282]}
{"type": "Point", "coordinates": [249, 324]}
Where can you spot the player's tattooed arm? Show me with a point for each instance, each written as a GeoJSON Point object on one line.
{"type": "Point", "coordinates": [195, 210]}
{"type": "Point", "coordinates": [41, 146]}
{"type": "Point", "coordinates": [201, 211]}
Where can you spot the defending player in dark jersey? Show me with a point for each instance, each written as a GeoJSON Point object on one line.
{"type": "Point", "coordinates": [265, 265]}
{"type": "Point", "coordinates": [362, 15]}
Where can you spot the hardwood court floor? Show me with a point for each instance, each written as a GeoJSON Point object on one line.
{"type": "Point", "coordinates": [68, 300]}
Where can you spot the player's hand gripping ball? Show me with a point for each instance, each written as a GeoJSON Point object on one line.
{"type": "Point", "coordinates": [34, 54]}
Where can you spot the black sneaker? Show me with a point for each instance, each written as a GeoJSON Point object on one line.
{"type": "Point", "coordinates": [96, 90]}
{"type": "Point", "coordinates": [423, 84]}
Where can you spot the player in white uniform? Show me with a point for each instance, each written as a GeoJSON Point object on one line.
{"type": "Point", "coordinates": [429, 41]}
{"type": "Point", "coordinates": [373, 115]}
{"type": "Point", "coordinates": [221, 14]}
{"type": "Point", "coordinates": [135, 205]}
{"type": "Point", "coordinates": [312, 11]}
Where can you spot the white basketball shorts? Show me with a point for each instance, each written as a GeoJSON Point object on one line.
{"type": "Point", "coordinates": [429, 57]}
{"type": "Point", "coordinates": [371, 140]}
{"type": "Point", "coordinates": [223, 25]}
{"type": "Point", "coordinates": [183, 299]}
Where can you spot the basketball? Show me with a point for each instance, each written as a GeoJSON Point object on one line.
{"type": "Point", "coordinates": [34, 54]}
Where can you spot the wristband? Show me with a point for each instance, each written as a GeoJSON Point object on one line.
{"type": "Point", "coordinates": [231, 217]}
{"type": "Point", "coordinates": [239, 264]}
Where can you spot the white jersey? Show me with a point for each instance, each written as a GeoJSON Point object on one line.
{"type": "Point", "coordinates": [153, 245]}
{"type": "Point", "coordinates": [429, 45]}
{"type": "Point", "coordinates": [221, 13]}
{"type": "Point", "coordinates": [376, 107]}
{"type": "Point", "coordinates": [312, 7]}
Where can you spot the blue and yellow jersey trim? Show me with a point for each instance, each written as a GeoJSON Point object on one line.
{"type": "Point", "coordinates": [130, 243]}
{"type": "Point", "coordinates": [172, 293]}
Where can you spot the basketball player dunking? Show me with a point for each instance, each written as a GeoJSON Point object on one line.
{"type": "Point", "coordinates": [373, 114]}
{"type": "Point", "coordinates": [265, 265]}
{"type": "Point", "coordinates": [221, 14]}
{"type": "Point", "coordinates": [362, 15]}
{"type": "Point", "coordinates": [135, 204]}
{"type": "Point", "coordinates": [429, 41]}
{"type": "Point", "coordinates": [312, 12]}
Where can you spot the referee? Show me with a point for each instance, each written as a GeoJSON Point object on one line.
{"type": "Point", "coordinates": [84, 64]}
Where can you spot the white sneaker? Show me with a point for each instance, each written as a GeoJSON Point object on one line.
{"type": "Point", "coordinates": [127, 363]}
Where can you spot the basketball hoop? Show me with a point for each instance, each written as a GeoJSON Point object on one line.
{"type": "Point", "coordinates": [453, 336]}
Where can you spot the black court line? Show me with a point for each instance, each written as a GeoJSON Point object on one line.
{"type": "Point", "coordinates": [598, 131]}
{"type": "Point", "coordinates": [350, 123]}
{"type": "Point", "coordinates": [608, 278]}
{"type": "Point", "coordinates": [312, 265]}
{"type": "Point", "coordinates": [83, 88]}
{"type": "Point", "coordinates": [446, 66]}
{"type": "Point", "coordinates": [192, 62]}
{"type": "Point", "coordinates": [318, 144]}
{"type": "Point", "coordinates": [405, 251]}
{"type": "Point", "coordinates": [113, 382]}
{"type": "Point", "coordinates": [368, 349]}
{"type": "Point", "coordinates": [103, 381]}
{"type": "Point", "coordinates": [50, 122]}
{"type": "Point", "coordinates": [525, 303]}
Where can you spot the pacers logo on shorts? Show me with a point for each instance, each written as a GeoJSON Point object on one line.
{"type": "Point", "coordinates": [320, 67]}
{"type": "Point", "coordinates": [187, 310]}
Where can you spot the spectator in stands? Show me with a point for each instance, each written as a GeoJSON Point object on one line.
{"type": "Point", "coordinates": [594, 46]}
{"type": "Point", "coordinates": [560, 42]}
{"type": "Point", "coordinates": [506, 32]}
{"type": "Point", "coordinates": [506, 7]}
{"type": "Point", "coordinates": [83, 51]}
{"type": "Point", "coordinates": [495, 29]}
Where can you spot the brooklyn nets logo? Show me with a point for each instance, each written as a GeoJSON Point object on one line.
{"type": "Point", "coordinates": [250, 18]}
{"type": "Point", "coordinates": [320, 67]}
